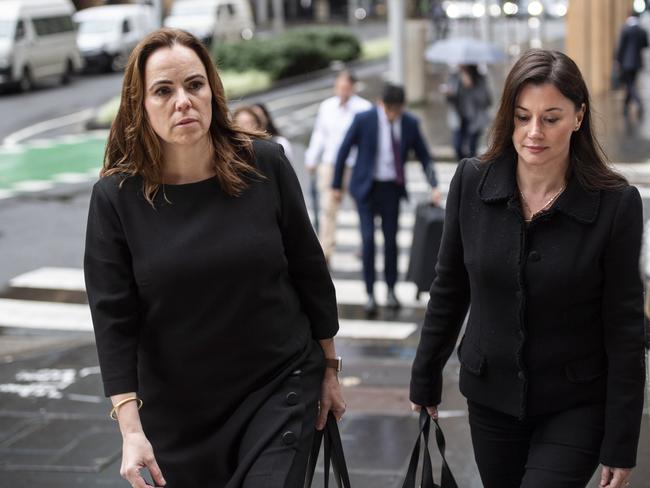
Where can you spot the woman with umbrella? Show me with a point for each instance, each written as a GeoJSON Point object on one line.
{"type": "Point", "coordinates": [466, 90]}
{"type": "Point", "coordinates": [469, 100]}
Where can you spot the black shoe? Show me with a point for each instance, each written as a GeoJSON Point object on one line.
{"type": "Point", "coordinates": [371, 307]}
{"type": "Point", "coordinates": [392, 301]}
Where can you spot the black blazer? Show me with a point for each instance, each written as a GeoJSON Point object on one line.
{"type": "Point", "coordinates": [632, 41]}
{"type": "Point", "coordinates": [556, 315]}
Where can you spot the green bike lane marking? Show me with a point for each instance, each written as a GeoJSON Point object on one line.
{"type": "Point", "coordinates": [41, 164]}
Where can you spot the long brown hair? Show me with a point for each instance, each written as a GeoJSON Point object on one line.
{"type": "Point", "coordinates": [134, 148]}
{"type": "Point", "coordinates": [587, 160]}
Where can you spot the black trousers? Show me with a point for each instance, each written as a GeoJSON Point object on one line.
{"type": "Point", "coordinates": [628, 77]}
{"type": "Point", "coordinates": [558, 450]}
{"type": "Point", "coordinates": [383, 201]}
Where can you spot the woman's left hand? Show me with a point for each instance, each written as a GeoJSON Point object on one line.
{"type": "Point", "coordinates": [614, 477]}
{"type": "Point", "coordinates": [331, 399]}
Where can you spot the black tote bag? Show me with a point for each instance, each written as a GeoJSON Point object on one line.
{"type": "Point", "coordinates": [447, 479]}
{"type": "Point", "coordinates": [330, 438]}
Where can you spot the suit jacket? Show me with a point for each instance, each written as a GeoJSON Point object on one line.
{"type": "Point", "coordinates": [632, 41]}
{"type": "Point", "coordinates": [556, 316]}
{"type": "Point", "coordinates": [364, 134]}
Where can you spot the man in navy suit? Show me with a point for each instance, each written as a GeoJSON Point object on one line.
{"type": "Point", "coordinates": [632, 41]}
{"type": "Point", "coordinates": [384, 136]}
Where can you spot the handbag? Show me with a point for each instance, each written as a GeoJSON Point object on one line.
{"type": "Point", "coordinates": [330, 438]}
{"type": "Point", "coordinates": [447, 479]}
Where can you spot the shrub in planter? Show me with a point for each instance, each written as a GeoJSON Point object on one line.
{"type": "Point", "coordinates": [289, 54]}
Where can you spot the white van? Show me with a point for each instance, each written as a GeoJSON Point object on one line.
{"type": "Point", "coordinates": [213, 19]}
{"type": "Point", "coordinates": [107, 34]}
{"type": "Point", "coordinates": [37, 41]}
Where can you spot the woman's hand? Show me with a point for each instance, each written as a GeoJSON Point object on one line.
{"type": "Point", "coordinates": [137, 454]}
{"type": "Point", "coordinates": [432, 411]}
{"type": "Point", "coordinates": [331, 398]}
{"type": "Point", "coordinates": [614, 477]}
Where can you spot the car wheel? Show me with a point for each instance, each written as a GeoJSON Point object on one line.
{"type": "Point", "coordinates": [26, 82]}
{"type": "Point", "coordinates": [67, 74]}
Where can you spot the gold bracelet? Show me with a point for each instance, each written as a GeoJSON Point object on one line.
{"type": "Point", "coordinates": [116, 407]}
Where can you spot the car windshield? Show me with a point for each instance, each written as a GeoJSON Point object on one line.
{"type": "Point", "coordinates": [190, 8]}
{"type": "Point", "coordinates": [97, 27]}
{"type": "Point", "coordinates": [6, 29]}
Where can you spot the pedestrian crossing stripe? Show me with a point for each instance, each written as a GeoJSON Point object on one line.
{"type": "Point", "coordinates": [365, 329]}
{"type": "Point", "coordinates": [349, 262]}
{"type": "Point", "coordinates": [348, 292]}
{"type": "Point", "coordinates": [352, 238]}
{"type": "Point", "coordinates": [51, 278]}
{"type": "Point", "coordinates": [32, 314]}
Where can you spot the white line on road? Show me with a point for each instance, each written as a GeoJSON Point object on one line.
{"type": "Point", "coordinates": [47, 125]}
{"type": "Point", "coordinates": [367, 329]}
{"type": "Point", "coordinates": [51, 278]}
{"type": "Point", "coordinates": [353, 292]}
{"type": "Point", "coordinates": [44, 315]}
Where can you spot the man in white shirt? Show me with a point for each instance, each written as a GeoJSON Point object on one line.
{"type": "Point", "coordinates": [332, 122]}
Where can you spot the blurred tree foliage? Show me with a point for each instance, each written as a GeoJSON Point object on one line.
{"type": "Point", "coordinates": [289, 54]}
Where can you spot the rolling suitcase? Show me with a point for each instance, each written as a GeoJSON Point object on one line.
{"type": "Point", "coordinates": [427, 234]}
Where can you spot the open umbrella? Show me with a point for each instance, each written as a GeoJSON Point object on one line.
{"type": "Point", "coordinates": [464, 50]}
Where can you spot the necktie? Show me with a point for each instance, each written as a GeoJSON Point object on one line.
{"type": "Point", "coordinates": [399, 169]}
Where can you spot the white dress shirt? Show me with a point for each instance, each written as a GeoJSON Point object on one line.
{"type": "Point", "coordinates": [385, 167]}
{"type": "Point", "coordinates": [332, 123]}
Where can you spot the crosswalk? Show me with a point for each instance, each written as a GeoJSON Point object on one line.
{"type": "Point", "coordinates": [53, 298]}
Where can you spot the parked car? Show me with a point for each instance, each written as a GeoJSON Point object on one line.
{"type": "Point", "coordinates": [213, 19]}
{"type": "Point", "coordinates": [107, 34]}
{"type": "Point", "coordinates": [37, 42]}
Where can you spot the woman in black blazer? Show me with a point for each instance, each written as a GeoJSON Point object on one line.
{"type": "Point", "coordinates": [542, 239]}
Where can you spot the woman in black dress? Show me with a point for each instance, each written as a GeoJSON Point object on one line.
{"type": "Point", "coordinates": [212, 304]}
{"type": "Point", "coordinates": [542, 239]}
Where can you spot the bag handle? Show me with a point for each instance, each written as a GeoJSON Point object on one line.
{"type": "Point", "coordinates": [333, 454]}
{"type": "Point", "coordinates": [447, 478]}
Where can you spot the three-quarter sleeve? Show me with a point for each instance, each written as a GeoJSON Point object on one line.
{"type": "Point", "coordinates": [112, 294]}
{"type": "Point", "coordinates": [306, 262]}
{"type": "Point", "coordinates": [447, 307]}
{"type": "Point", "coordinates": [623, 328]}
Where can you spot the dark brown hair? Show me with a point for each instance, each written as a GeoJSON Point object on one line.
{"type": "Point", "coordinates": [248, 109]}
{"type": "Point", "coordinates": [134, 148]}
{"type": "Point", "coordinates": [587, 160]}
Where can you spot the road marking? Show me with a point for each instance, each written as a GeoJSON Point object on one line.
{"type": "Point", "coordinates": [365, 329]}
{"type": "Point", "coordinates": [71, 178]}
{"type": "Point", "coordinates": [352, 238]}
{"type": "Point", "coordinates": [348, 262]}
{"type": "Point", "coordinates": [47, 125]}
{"type": "Point", "coordinates": [32, 314]}
{"type": "Point", "coordinates": [51, 278]}
{"type": "Point", "coordinates": [353, 292]}
{"type": "Point", "coordinates": [32, 185]}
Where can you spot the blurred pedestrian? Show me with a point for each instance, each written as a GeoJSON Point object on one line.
{"type": "Point", "coordinates": [469, 99]}
{"type": "Point", "coordinates": [439, 20]}
{"type": "Point", "coordinates": [629, 61]}
{"type": "Point", "coordinates": [383, 136]}
{"type": "Point", "coordinates": [211, 301]}
{"type": "Point", "coordinates": [269, 126]}
{"type": "Point", "coordinates": [541, 242]}
{"type": "Point", "coordinates": [253, 118]}
{"type": "Point", "coordinates": [334, 118]}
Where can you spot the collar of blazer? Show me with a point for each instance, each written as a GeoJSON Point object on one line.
{"type": "Point", "coordinates": [499, 183]}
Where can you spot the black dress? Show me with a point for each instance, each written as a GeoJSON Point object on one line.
{"type": "Point", "coordinates": [208, 307]}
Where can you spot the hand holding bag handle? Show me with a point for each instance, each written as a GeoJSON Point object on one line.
{"type": "Point", "coordinates": [332, 452]}
{"type": "Point", "coordinates": [447, 479]}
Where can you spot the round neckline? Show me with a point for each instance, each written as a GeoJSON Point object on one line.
{"type": "Point", "coordinates": [192, 183]}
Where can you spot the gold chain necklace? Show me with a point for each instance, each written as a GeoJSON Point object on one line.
{"type": "Point", "coordinates": [546, 205]}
